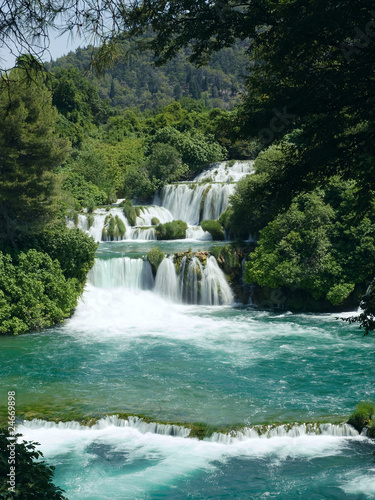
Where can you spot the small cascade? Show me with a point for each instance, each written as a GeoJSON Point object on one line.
{"type": "Point", "coordinates": [225, 172]}
{"type": "Point", "coordinates": [207, 197]}
{"type": "Point", "coordinates": [214, 287]}
{"type": "Point", "coordinates": [112, 421]}
{"type": "Point", "coordinates": [203, 282]}
{"type": "Point", "coordinates": [134, 274]}
{"type": "Point", "coordinates": [166, 283]}
{"type": "Point", "coordinates": [280, 431]}
{"type": "Point", "coordinates": [140, 233]}
{"type": "Point", "coordinates": [148, 213]}
{"type": "Point", "coordinates": [231, 438]}
{"type": "Point", "coordinates": [217, 200]}
{"type": "Point", "coordinates": [197, 233]}
{"type": "Point", "coordinates": [184, 201]}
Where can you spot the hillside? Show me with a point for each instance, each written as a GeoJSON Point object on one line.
{"type": "Point", "coordinates": [134, 81]}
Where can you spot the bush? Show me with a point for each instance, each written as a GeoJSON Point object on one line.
{"type": "Point", "coordinates": [34, 293]}
{"type": "Point", "coordinates": [175, 230]}
{"type": "Point", "coordinates": [85, 194]}
{"type": "Point", "coordinates": [214, 228]}
{"type": "Point", "coordinates": [362, 415]}
{"type": "Point", "coordinates": [33, 478]}
{"type": "Point", "coordinates": [74, 250]}
{"type": "Point", "coordinates": [155, 221]}
{"type": "Point", "coordinates": [155, 257]}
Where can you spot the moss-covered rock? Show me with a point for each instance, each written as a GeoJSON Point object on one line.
{"type": "Point", "coordinates": [155, 221]}
{"type": "Point", "coordinates": [130, 212]}
{"type": "Point", "coordinates": [155, 257]}
{"type": "Point", "coordinates": [113, 229]}
{"type": "Point", "coordinates": [214, 228]}
{"type": "Point", "coordinates": [362, 415]}
{"type": "Point", "coordinates": [175, 230]}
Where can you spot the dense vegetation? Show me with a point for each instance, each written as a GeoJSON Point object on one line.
{"type": "Point", "coordinates": [135, 82]}
{"type": "Point", "coordinates": [43, 265]}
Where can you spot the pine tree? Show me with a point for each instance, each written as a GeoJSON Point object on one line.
{"type": "Point", "coordinates": [30, 150]}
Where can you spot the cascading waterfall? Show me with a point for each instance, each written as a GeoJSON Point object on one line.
{"type": "Point", "coordinates": [195, 282]}
{"type": "Point", "coordinates": [207, 197]}
{"type": "Point", "coordinates": [231, 438]}
{"type": "Point", "coordinates": [135, 274]}
{"type": "Point", "coordinates": [224, 172]}
{"type": "Point", "coordinates": [166, 283]}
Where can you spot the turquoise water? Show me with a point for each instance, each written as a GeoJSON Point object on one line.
{"type": "Point", "coordinates": [127, 351]}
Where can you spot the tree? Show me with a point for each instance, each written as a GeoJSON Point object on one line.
{"type": "Point", "coordinates": [30, 149]}
{"type": "Point", "coordinates": [33, 477]}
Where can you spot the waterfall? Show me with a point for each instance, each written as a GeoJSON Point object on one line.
{"type": "Point", "coordinates": [166, 283]}
{"type": "Point", "coordinates": [214, 287]}
{"type": "Point", "coordinates": [202, 283]}
{"type": "Point", "coordinates": [135, 274]}
{"type": "Point", "coordinates": [217, 200]}
{"type": "Point", "coordinates": [195, 282]}
{"type": "Point", "coordinates": [223, 172]}
{"type": "Point", "coordinates": [140, 233]}
{"type": "Point", "coordinates": [279, 431]}
{"type": "Point", "coordinates": [197, 233]}
{"type": "Point", "coordinates": [147, 213]}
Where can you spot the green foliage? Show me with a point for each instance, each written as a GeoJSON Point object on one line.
{"type": "Point", "coordinates": [85, 194]}
{"type": "Point", "coordinates": [34, 293]}
{"type": "Point", "coordinates": [196, 149]}
{"type": "Point", "coordinates": [74, 250]}
{"type": "Point", "coordinates": [298, 249]}
{"type": "Point", "coordinates": [164, 165]}
{"type": "Point", "coordinates": [155, 221]}
{"type": "Point", "coordinates": [30, 149]}
{"type": "Point", "coordinates": [155, 257]}
{"type": "Point", "coordinates": [175, 230]}
{"type": "Point", "coordinates": [225, 219]}
{"type": "Point", "coordinates": [34, 478]}
{"type": "Point", "coordinates": [130, 213]}
{"type": "Point", "coordinates": [135, 82]}
{"type": "Point", "coordinates": [362, 415]}
{"type": "Point", "coordinates": [254, 202]}
{"type": "Point", "coordinates": [214, 228]}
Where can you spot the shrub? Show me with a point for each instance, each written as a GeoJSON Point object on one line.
{"type": "Point", "coordinates": [34, 293]}
{"type": "Point", "coordinates": [74, 250]}
{"type": "Point", "coordinates": [214, 228]}
{"type": "Point", "coordinates": [155, 221]}
{"type": "Point", "coordinates": [175, 230]}
{"type": "Point", "coordinates": [362, 415]}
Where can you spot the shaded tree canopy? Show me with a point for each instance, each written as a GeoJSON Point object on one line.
{"type": "Point", "coordinates": [30, 149]}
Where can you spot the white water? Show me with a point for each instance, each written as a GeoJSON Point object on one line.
{"type": "Point", "coordinates": [150, 456]}
{"type": "Point", "coordinates": [197, 233]}
{"type": "Point", "coordinates": [221, 172]}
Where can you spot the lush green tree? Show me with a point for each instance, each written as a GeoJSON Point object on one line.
{"type": "Point", "coordinates": [164, 165]}
{"type": "Point", "coordinates": [195, 149]}
{"type": "Point", "coordinates": [34, 478]}
{"type": "Point", "coordinates": [321, 244]}
{"type": "Point", "coordinates": [30, 149]}
{"type": "Point", "coordinates": [34, 292]}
